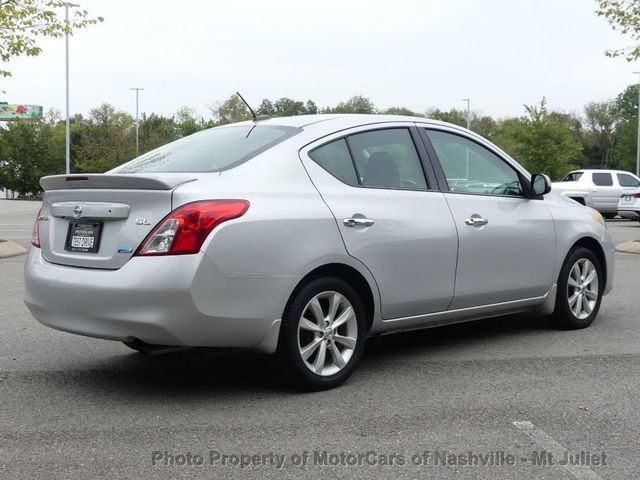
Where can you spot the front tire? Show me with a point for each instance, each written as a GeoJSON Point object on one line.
{"type": "Point", "coordinates": [580, 288]}
{"type": "Point", "coordinates": [323, 334]}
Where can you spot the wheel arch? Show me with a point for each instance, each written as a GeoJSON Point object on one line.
{"type": "Point", "coordinates": [593, 245]}
{"type": "Point", "coordinates": [350, 275]}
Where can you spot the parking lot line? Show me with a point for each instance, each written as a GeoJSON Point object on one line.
{"type": "Point", "coordinates": [581, 472]}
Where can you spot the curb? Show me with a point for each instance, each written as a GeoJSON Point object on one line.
{"type": "Point", "coordinates": [11, 249]}
{"type": "Point", "coordinates": [631, 246]}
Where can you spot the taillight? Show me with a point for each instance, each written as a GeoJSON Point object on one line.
{"type": "Point", "coordinates": [636, 195]}
{"type": "Point", "coordinates": [184, 230]}
{"type": "Point", "coordinates": [35, 235]}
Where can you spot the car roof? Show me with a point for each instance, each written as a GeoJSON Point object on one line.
{"type": "Point", "coordinates": [598, 170]}
{"type": "Point", "coordinates": [342, 120]}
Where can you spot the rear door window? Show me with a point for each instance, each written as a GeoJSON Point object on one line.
{"type": "Point", "coordinates": [387, 159]}
{"type": "Point", "coordinates": [384, 158]}
{"type": "Point", "coordinates": [334, 157]}
{"type": "Point", "coordinates": [603, 179]}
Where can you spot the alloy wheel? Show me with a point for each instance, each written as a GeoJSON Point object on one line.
{"type": "Point", "coordinates": [582, 288]}
{"type": "Point", "coordinates": [327, 333]}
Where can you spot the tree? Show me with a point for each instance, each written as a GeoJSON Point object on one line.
{"type": "Point", "coordinates": [624, 16]}
{"type": "Point", "coordinates": [232, 110]}
{"type": "Point", "coordinates": [187, 123]}
{"type": "Point", "coordinates": [155, 131]}
{"type": "Point", "coordinates": [541, 140]}
{"type": "Point", "coordinates": [600, 137]}
{"type": "Point", "coordinates": [286, 107]}
{"type": "Point", "coordinates": [400, 111]}
{"type": "Point", "coordinates": [356, 104]}
{"type": "Point", "coordinates": [30, 150]}
{"type": "Point", "coordinates": [626, 105]}
{"type": "Point", "coordinates": [23, 21]}
{"type": "Point", "coordinates": [104, 141]}
{"type": "Point", "coordinates": [455, 116]}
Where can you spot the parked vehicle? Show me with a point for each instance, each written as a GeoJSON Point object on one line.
{"type": "Point", "coordinates": [605, 188]}
{"type": "Point", "coordinates": [629, 206]}
{"type": "Point", "coordinates": [308, 234]}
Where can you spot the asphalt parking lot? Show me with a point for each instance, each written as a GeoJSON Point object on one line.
{"type": "Point", "coordinates": [78, 408]}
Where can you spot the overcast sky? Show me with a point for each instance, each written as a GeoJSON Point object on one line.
{"type": "Point", "coordinates": [419, 54]}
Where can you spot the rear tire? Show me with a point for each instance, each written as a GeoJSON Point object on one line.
{"type": "Point", "coordinates": [323, 334]}
{"type": "Point", "coordinates": [609, 216]}
{"type": "Point", "coordinates": [580, 288]}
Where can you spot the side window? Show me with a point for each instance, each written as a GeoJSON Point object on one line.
{"type": "Point", "coordinates": [627, 180]}
{"type": "Point", "coordinates": [387, 159]}
{"type": "Point", "coordinates": [602, 179]}
{"type": "Point", "coordinates": [334, 157]}
{"type": "Point", "coordinates": [572, 177]}
{"type": "Point", "coordinates": [471, 168]}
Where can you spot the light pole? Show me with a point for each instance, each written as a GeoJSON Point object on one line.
{"type": "Point", "coordinates": [468, 100]}
{"type": "Point", "coordinates": [638, 139]}
{"type": "Point", "coordinates": [137, 89]}
{"type": "Point", "coordinates": [67, 139]}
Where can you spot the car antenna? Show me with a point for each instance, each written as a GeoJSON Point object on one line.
{"type": "Point", "coordinates": [253, 114]}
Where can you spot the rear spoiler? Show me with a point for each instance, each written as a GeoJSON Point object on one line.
{"type": "Point", "coordinates": [164, 181]}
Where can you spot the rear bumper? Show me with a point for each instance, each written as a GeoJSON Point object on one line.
{"type": "Point", "coordinates": [629, 213]}
{"type": "Point", "coordinates": [181, 300]}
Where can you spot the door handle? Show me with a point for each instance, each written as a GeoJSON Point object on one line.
{"type": "Point", "coordinates": [358, 222]}
{"type": "Point", "coordinates": [476, 221]}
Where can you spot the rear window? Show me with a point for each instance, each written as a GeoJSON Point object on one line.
{"type": "Point", "coordinates": [572, 177]}
{"type": "Point", "coordinates": [603, 179]}
{"type": "Point", "coordinates": [626, 180]}
{"type": "Point", "coordinates": [210, 150]}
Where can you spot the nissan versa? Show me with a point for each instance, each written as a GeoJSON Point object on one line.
{"type": "Point", "coordinates": [308, 234]}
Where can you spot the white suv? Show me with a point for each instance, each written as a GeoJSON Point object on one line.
{"type": "Point", "coordinates": [604, 187]}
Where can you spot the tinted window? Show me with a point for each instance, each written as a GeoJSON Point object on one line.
{"type": "Point", "coordinates": [210, 150]}
{"type": "Point", "coordinates": [572, 177]}
{"type": "Point", "coordinates": [471, 168]}
{"type": "Point", "coordinates": [602, 179]}
{"type": "Point", "coordinates": [387, 159]}
{"type": "Point", "coordinates": [627, 180]}
{"type": "Point", "coordinates": [334, 157]}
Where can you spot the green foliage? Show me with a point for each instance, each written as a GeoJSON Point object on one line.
{"type": "Point", "coordinates": [624, 16]}
{"type": "Point", "coordinates": [105, 140]}
{"type": "Point", "coordinates": [541, 141]}
{"type": "Point", "coordinates": [23, 21]}
{"type": "Point", "coordinates": [286, 107]}
{"type": "Point", "coordinates": [599, 138]}
{"type": "Point", "coordinates": [455, 116]}
{"type": "Point", "coordinates": [30, 150]}
{"type": "Point", "coordinates": [400, 111]}
{"type": "Point", "coordinates": [356, 104]}
{"type": "Point", "coordinates": [232, 110]}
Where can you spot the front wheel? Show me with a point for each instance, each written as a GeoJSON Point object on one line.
{"type": "Point", "coordinates": [580, 288]}
{"type": "Point", "coordinates": [323, 333]}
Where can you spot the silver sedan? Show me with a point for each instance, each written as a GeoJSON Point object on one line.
{"type": "Point", "coordinates": [307, 235]}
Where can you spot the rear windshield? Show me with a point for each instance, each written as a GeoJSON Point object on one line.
{"type": "Point", "coordinates": [210, 150]}
{"type": "Point", "coordinates": [572, 177]}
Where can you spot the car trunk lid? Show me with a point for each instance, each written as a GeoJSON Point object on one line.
{"type": "Point", "coordinates": [98, 220]}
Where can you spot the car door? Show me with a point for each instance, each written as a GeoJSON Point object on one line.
{"type": "Point", "coordinates": [389, 214]}
{"type": "Point", "coordinates": [604, 193]}
{"type": "Point", "coordinates": [506, 240]}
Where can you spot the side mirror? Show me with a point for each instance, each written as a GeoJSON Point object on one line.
{"type": "Point", "coordinates": [540, 184]}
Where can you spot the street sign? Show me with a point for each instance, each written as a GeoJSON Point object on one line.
{"type": "Point", "coordinates": [10, 112]}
